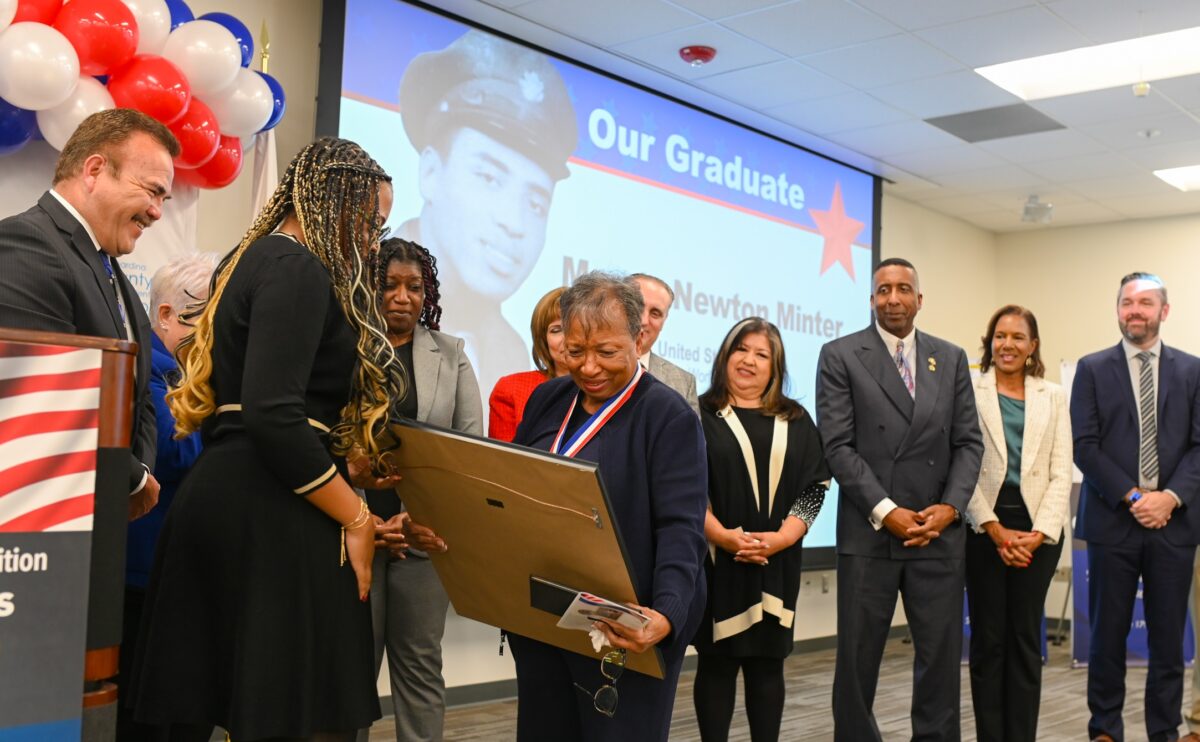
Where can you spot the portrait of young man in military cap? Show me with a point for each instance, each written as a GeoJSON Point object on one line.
{"type": "Point", "coordinates": [494, 127]}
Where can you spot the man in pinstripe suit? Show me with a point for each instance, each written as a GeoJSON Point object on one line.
{"type": "Point", "coordinates": [1135, 410]}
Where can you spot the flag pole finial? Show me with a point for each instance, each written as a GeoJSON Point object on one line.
{"type": "Point", "coordinates": [265, 45]}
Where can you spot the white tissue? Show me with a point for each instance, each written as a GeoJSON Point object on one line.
{"type": "Point", "coordinates": [599, 640]}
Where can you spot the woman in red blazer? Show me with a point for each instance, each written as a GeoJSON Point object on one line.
{"type": "Point", "coordinates": [507, 403]}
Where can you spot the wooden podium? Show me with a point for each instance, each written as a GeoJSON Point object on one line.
{"type": "Point", "coordinates": [58, 393]}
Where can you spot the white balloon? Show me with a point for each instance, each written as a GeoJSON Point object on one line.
{"type": "Point", "coordinates": [59, 123]}
{"type": "Point", "coordinates": [244, 107]}
{"type": "Point", "coordinates": [38, 66]}
{"type": "Point", "coordinates": [8, 10]}
{"type": "Point", "coordinates": [153, 22]}
{"type": "Point", "coordinates": [207, 54]}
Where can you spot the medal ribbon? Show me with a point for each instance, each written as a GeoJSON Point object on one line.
{"type": "Point", "coordinates": [598, 419]}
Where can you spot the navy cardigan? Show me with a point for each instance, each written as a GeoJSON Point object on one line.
{"type": "Point", "coordinates": [652, 461]}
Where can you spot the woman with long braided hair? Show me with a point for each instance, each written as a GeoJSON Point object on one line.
{"type": "Point", "coordinates": [256, 618]}
{"type": "Point", "coordinates": [408, 602]}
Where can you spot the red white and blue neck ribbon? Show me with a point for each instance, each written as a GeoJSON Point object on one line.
{"type": "Point", "coordinates": [598, 419]}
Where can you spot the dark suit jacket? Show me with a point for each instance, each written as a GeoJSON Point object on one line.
{"type": "Point", "coordinates": [52, 279]}
{"type": "Point", "coordinates": [880, 443]}
{"type": "Point", "coordinates": [1104, 415]}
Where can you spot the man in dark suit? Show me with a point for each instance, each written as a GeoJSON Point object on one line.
{"type": "Point", "coordinates": [1137, 440]}
{"type": "Point", "coordinates": [897, 413]}
{"type": "Point", "coordinates": [58, 267]}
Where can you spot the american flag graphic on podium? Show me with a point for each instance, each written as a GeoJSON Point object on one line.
{"type": "Point", "coordinates": [49, 431]}
{"type": "Point", "coordinates": [49, 421]}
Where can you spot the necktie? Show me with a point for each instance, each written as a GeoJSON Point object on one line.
{"type": "Point", "coordinates": [905, 371]}
{"type": "Point", "coordinates": [112, 279]}
{"type": "Point", "coordinates": [1148, 452]}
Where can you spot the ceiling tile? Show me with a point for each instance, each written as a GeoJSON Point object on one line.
{"type": "Point", "coordinates": [1140, 207]}
{"type": "Point", "coordinates": [608, 23]}
{"type": "Point", "coordinates": [991, 179]}
{"type": "Point", "coordinates": [1098, 106]}
{"type": "Point", "coordinates": [1103, 21]}
{"type": "Point", "coordinates": [1106, 189]}
{"type": "Point", "coordinates": [1159, 156]}
{"type": "Point", "coordinates": [1015, 198]}
{"type": "Point", "coordinates": [1083, 213]}
{"type": "Point", "coordinates": [1044, 145]}
{"type": "Point", "coordinates": [916, 14]}
{"type": "Point", "coordinates": [945, 94]}
{"type": "Point", "coordinates": [1127, 133]}
{"type": "Point", "coordinates": [853, 110]}
{"type": "Point", "coordinates": [662, 51]}
{"type": "Point", "coordinates": [934, 163]}
{"type": "Point", "coordinates": [897, 138]}
{"type": "Point", "coordinates": [1183, 91]}
{"type": "Point", "coordinates": [1001, 221]}
{"type": "Point", "coordinates": [960, 205]}
{"type": "Point", "coordinates": [1083, 167]}
{"type": "Point", "coordinates": [1003, 37]}
{"type": "Point", "coordinates": [810, 26]}
{"type": "Point", "coordinates": [723, 8]}
{"type": "Point", "coordinates": [883, 61]}
{"type": "Point", "coordinates": [774, 84]}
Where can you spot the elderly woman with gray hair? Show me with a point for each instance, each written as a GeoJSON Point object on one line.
{"type": "Point", "coordinates": [173, 288]}
{"type": "Point", "coordinates": [650, 450]}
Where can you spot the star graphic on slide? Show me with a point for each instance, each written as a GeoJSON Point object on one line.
{"type": "Point", "coordinates": [839, 232]}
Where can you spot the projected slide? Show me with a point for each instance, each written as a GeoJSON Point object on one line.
{"type": "Point", "coordinates": [520, 171]}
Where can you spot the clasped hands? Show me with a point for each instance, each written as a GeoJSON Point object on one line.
{"type": "Point", "coordinates": [399, 533]}
{"type": "Point", "coordinates": [918, 529]}
{"type": "Point", "coordinates": [1014, 547]}
{"type": "Point", "coordinates": [756, 547]}
{"type": "Point", "coordinates": [1153, 509]}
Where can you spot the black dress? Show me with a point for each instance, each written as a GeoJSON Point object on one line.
{"type": "Point", "coordinates": [250, 622]}
{"type": "Point", "coordinates": [751, 608]}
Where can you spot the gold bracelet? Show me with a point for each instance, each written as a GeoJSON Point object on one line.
{"type": "Point", "coordinates": [363, 518]}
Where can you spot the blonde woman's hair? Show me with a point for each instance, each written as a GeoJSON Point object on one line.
{"type": "Point", "coordinates": [332, 186]}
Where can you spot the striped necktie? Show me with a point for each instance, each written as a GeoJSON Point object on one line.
{"type": "Point", "coordinates": [905, 371]}
{"type": "Point", "coordinates": [1148, 452]}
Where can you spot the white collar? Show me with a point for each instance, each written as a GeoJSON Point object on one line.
{"type": "Point", "coordinates": [1131, 350]}
{"type": "Point", "coordinates": [890, 340]}
{"type": "Point", "coordinates": [78, 217]}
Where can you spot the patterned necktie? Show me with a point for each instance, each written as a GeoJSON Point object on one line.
{"type": "Point", "coordinates": [1148, 452]}
{"type": "Point", "coordinates": [905, 372]}
{"type": "Point", "coordinates": [112, 279]}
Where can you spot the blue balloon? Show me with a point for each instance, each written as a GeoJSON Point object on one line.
{"type": "Point", "coordinates": [180, 13]}
{"type": "Point", "coordinates": [278, 97]}
{"type": "Point", "coordinates": [239, 31]}
{"type": "Point", "coordinates": [17, 127]}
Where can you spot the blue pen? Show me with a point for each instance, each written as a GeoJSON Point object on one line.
{"type": "Point", "coordinates": [1135, 497]}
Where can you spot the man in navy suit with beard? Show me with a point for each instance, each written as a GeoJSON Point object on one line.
{"type": "Point", "coordinates": [1137, 440]}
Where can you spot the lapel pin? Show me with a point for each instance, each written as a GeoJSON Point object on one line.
{"type": "Point", "coordinates": [932, 363]}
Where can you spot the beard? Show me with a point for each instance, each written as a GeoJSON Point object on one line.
{"type": "Point", "coordinates": [1140, 335]}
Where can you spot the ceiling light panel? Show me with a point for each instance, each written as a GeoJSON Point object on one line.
{"type": "Point", "coordinates": [1119, 63]}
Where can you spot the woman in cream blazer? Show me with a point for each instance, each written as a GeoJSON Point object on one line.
{"type": "Point", "coordinates": [1017, 516]}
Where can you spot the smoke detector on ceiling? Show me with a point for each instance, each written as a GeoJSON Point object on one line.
{"type": "Point", "coordinates": [1037, 212]}
{"type": "Point", "coordinates": [697, 55]}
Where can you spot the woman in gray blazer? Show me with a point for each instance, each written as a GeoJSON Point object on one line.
{"type": "Point", "coordinates": [408, 602]}
{"type": "Point", "coordinates": [1017, 516]}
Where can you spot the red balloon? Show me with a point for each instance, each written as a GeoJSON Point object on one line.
{"type": "Point", "coordinates": [152, 85]}
{"type": "Point", "coordinates": [218, 172]}
{"type": "Point", "coordinates": [198, 133]}
{"type": "Point", "coordinates": [37, 11]}
{"type": "Point", "coordinates": [103, 32]}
